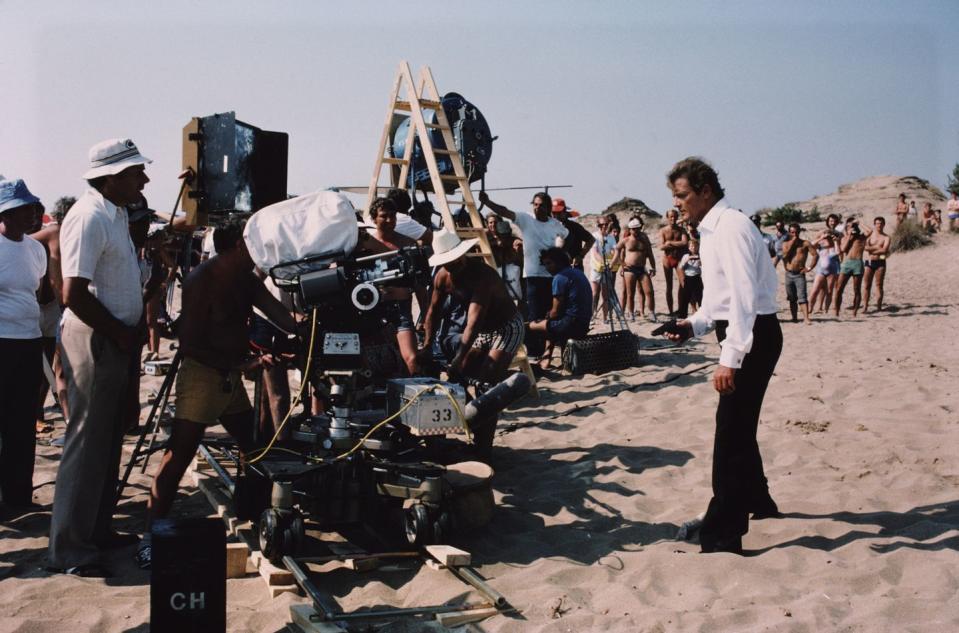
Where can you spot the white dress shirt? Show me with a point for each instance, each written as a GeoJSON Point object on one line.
{"type": "Point", "coordinates": [95, 244]}
{"type": "Point", "coordinates": [739, 280]}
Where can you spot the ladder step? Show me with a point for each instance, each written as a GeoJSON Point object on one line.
{"type": "Point", "coordinates": [424, 103]}
{"type": "Point", "coordinates": [438, 126]}
{"type": "Point", "coordinates": [394, 161]}
{"type": "Point", "coordinates": [444, 152]}
{"type": "Point", "coordinates": [452, 177]}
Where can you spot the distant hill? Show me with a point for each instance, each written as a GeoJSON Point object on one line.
{"type": "Point", "coordinates": [875, 195]}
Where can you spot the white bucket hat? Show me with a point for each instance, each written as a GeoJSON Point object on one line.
{"type": "Point", "coordinates": [113, 156]}
{"type": "Point", "coordinates": [448, 247]}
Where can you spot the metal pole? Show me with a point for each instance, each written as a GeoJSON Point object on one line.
{"type": "Point", "coordinates": [471, 577]}
{"type": "Point", "coordinates": [328, 608]}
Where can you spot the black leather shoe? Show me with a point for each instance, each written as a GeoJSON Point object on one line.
{"type": "Point", "coordinates": [767, 509]}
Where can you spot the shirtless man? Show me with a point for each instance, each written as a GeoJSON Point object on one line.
{"type": "Point", "coordinates": [852, 246]}
{"type": "Point", "coordinates": [796, 254]}
{"type": "Point", "coordinates": [877, 246]}
{"type": "Point", "coordinates": [902, 209]}
{"type": "Point", "coordinates": [930, 220]}
{"type": "Point", "coordinates": [50, 299]}
{"type": "Point", "coordinates": [952, 210]}
{"type": "Point", "coordinates": [494, 329]}
{"type": "Point", "coordinates": [672, 241]}
{"type": "Point", "coordinates": [218, 299]}
{"type": "Point", "coordinates": [633, 250]}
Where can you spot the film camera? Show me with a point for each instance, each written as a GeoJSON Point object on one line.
{"type": "Point", "coordinates": [374, 454]}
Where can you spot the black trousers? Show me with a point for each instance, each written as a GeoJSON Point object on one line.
{"type": "Point", "coordinates": [21, 368]}
{"type": "Point", "coordinates": [539, 299]}
{"type": "Point", "coordinates": [739, 483]}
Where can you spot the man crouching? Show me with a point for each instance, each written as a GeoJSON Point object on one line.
{"type": "Point", "coordinates": [218, 299]}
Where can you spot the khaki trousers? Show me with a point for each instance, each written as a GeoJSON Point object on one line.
{"type": "Point", "coordinates": [97, 373]}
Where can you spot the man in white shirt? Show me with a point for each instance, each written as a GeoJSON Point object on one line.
{"type": "Point", "coordinates": [739, 301]}
{"type": "Point", "coordinates": [540, 232]}
{"type": "Point", "coordinates": [101, 330]}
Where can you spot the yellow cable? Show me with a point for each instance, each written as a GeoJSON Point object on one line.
{"type": "Point", "coordinates": [459, 412]}
{"type": "Point", "coordinates": [305, 379]}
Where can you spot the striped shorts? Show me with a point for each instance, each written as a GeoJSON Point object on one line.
{"type": "Point", "coordinates": [507, 338]}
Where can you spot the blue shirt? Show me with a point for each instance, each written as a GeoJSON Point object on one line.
{"type": "Point", "coordinates": [572, 285]}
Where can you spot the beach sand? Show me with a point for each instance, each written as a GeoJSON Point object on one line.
{"type": "Point", "coordinates": [858, 433]}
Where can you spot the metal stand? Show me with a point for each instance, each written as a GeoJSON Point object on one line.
{"type": "Point", "coordinates": [607, 288]}
{"type": "Point", "coordinates": [151, 427]}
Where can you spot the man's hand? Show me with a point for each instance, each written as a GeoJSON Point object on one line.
{"type": "Point", "coordinates": [677, 337]}
{"type": "Point", "coordinates": [724, 380]}
{"type": "Point", "coordinates": [483, 198]}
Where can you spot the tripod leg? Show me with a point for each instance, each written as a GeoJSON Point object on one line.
{"type": "Point", "coordinates": [158, 404]}
{"type": "Point", "coordinates": [168, 383]}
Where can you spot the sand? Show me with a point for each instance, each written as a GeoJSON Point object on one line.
{"type": "Point", "coordinates": [858, 435]}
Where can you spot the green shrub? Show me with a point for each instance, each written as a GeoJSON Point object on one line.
{"type": "Point", "coordinates": [813, 215]}
{"type": "Point", "coordinates": [909, 236]}
{"type": "Point", "coordinates": [784, 214]}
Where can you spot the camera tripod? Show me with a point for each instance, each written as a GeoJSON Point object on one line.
{"type": "Point", "coordinates": [607, 289]}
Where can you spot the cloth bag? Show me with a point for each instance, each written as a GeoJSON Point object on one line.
{"type": "Point", "coordinates": [312, 224]}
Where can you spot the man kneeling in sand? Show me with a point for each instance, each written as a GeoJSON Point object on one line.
{"type": "Point", "coordinates": [218, 299]}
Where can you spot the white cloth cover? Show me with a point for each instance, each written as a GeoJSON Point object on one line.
{"type": "Point", "coordinates": [316, 223]}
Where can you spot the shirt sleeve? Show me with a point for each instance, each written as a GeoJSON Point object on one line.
{"type": "Point", "coordinates": [82, 240]}
{"type": "Point", "coordinates": [736, 259]}
{"type": "Point", "coordinates": [407, 226]}
{"type": "Point", "coordinates": [522, 220]}
{"type": "Point", "coordinates": [560, 282]}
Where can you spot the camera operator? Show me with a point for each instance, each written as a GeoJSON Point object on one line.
{"type": "Point", "coordinates": [494, 328]}
{"type": "Point", "coordinates": [399, 301]}
{"type": "Point", "coordinates": [218, 300]}
{"type": "Point", "coordinates": [852, 246]}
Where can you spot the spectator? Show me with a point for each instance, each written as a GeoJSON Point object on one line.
{"type": "Point", "coordinates": [601, 260]}
{"type": "Point", "coordinates": [101, 330]}
{"type": "Point", "coordinates": [952, 210]}
{"type": "Point", "coordinates": [23, 264]}
{"type": "Point", "coordinates": [572, 306]}
{"type": "Point", "coordinates": [579, 240]}
{"type": "Point", "coordinates": [673, 240]}
{"type": "Point", "coordinates": [539, 232]}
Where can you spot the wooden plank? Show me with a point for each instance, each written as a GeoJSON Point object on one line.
{"type": "Point", "coordinates": [301, 615]}
{"type": "Point", "coordinates": [384, 138]}
{"type": "Point", "coordinates": [236, 556]}
{"type": "Point", "coordinates": [449, 555]}
{"type": "Point", "coordinates": [459, 618]}
{"type": "Point", "coordinates": [276, 590]}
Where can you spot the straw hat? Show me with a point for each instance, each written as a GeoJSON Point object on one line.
{"type": "Point", "coordinates": [448, 247]}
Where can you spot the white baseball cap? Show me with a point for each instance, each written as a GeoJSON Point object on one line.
{"type": "Point", "coordinates": [113, 156]}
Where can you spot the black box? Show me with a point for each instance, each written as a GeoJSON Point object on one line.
{"type": "Point", "coordinates": [188, 576]}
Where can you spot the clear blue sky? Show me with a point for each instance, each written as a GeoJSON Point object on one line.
{"type": "Point", "coordinates": [786, 101]}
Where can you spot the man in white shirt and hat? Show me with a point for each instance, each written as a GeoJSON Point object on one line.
{"type": "Point", "coordinates": [739, 302]}
{"type": "Point", "coordinates": [102, 329]}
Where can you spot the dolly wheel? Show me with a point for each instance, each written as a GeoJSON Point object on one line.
{"type": "Point", "coordinates": [441, 528]}
{"type": "Point", "coordinates": [271, 535]}
{"type": "Point", "coordinates": [417, 525]}
{"type": "Point", "coordinates": [294, 534]}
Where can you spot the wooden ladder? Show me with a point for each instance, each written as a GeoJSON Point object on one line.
{"type": "Point", "coordinates": [412, 99]}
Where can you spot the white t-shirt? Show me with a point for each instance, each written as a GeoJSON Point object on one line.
{"type": "Point", "coordinates": [22, 267]}
{"type": "Point", "coordinates": [95, 244]}
{"type": "Point", "coordinates": [601, 255]}
{"type": "Point", "coordinates": [405, 225]}
{"type": "Point", "coordinates": [537, 237]}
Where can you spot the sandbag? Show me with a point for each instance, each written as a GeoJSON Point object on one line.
{"type": "Point", "coordinates": [312, 224]}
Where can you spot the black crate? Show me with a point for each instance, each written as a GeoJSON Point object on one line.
{"type": "Point", "coordinates": [600, 353]}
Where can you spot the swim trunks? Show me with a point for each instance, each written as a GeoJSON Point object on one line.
{"type": "Point", "coordinates": [635, 270]}
{"type": "Point", "coordinates": [507, 338]}
{"type": "Point", "coordinates": [852, 267]}
{"type": "Point", "coordinates": [796, 287]}
{"type": "Point", "coordinates": [876, 264]}
{"type": "Point", "coordinates": [670, 261]}
{"type": "Point", "coordinates": [205, 394]}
